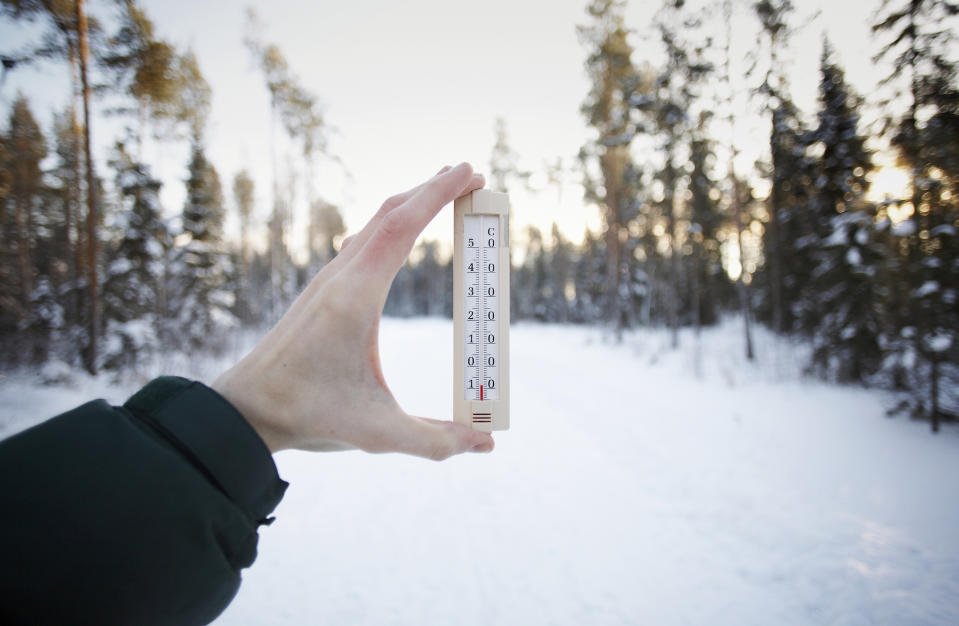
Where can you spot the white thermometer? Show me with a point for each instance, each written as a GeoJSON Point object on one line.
{"type": "Point", "coordinates": [481, 310]}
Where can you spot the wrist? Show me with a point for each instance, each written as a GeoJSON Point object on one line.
{"type": "Point", "coordinates": [255, 406]}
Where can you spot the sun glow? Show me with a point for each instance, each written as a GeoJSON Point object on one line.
{"type": "Point", "coordinates": [889, 183]}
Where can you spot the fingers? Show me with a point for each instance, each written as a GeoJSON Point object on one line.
{"type": "Point", "coordinates": [438, 440]}
{"type": "Point", "coordinates": [355, 244]}
{"type": "Point", "coordinates": [352, 244]}
{"type": "Point", "coordinates": [387, 248]}
{"type": "Point", "coordinates": [346, 242]}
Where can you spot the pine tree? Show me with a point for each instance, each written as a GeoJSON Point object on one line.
{"type": "Point", "coordinates": [298, 111]}
{"type": "Point", "coordinates": [27, 148]}
{"type": "Point", "coordinates": [589, 280]}
{"type": "Point", "coordinates": [607, 110]}
{"type": "Point", "coordinates": [559, 277]}
{"type": "Point", "coordinates": [142, 66]}
{"type": "Point", "coordinates": [326, 226]}
{"type": "Point", "coordinates": [200, 268]}
{"type": "Point", "coordinates": [69, 37]}
{"type": "Point", "coordinates": [429, 288]}
{"type": "Point", "coordinates": [785, 239]}
{"type": "Point", "coordinates": [133, 277]}
{"type": "Point", "coordinates": [66, 174]}
{"type": "Point", "coordinates": [675, 92]}
{"type": "Point", "coordinates": [54, 303]}
{"type": "Point", "coordinates": [9, 300]}
{"type": "Point", "coordinates": [734, 185]}
{"type": "Point", "coordinates": [704, 260]}
{"type": "Point", "coordinates": [924, 268]}
{"type": "Point", "coordinates": [244, 198]}
{"type": "Point", "coordinates": [504, 167]}
{"type": "Point", "coordinates": [530, 278]}
{"type": "Point", "coordinates": [841, 306]}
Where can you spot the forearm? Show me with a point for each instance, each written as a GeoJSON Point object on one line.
{"type": "Point", "coordinates": [144, 513]}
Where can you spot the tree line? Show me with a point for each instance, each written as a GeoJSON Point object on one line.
{"type": "Point", "coordinates": [873, 285]}
{"type": "Point", "coordinates": [95, 274]}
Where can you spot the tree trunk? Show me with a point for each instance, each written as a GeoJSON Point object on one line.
{"type": "Point", "coordinates": [934, 400]}
{"type": "Point", "coordinates": [94, 304]}
{"type": "Point", "coordinates": [669, 201]}
{"type": "Point", "coordinates": [674, 273]}
{"type": "Point", "coordinates": [775, 254]}
{"type": "Point", "coordinates": [24, 266]}
{"type": "Point", "coordinates": [742, 287]}
{"type": "Point", "coordinates": [612, 269]}
{"type": "Point", "coordinates": [695, 287]}
{"type": "Point", "coordinates": [74, 221]}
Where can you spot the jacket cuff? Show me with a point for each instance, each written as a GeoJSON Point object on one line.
{"type": "Point", "coordinates": [216, 438]}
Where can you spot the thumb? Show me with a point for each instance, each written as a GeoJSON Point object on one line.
{"type": "Point", "coordinates": [438, 439]}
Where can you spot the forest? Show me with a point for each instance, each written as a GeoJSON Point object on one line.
{"type": "Point", "coordinates": [96, 274]}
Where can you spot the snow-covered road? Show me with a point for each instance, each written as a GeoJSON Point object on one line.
{"type": "Point", "coordinates": [638, 485]}
{"type": "Point", "coordinates": [629, 491]}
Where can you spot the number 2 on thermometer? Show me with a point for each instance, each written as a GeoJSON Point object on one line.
{"type": "Point", "coordinates": [481, 310]}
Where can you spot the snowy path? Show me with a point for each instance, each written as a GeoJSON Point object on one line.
{"type": "Point", "coordinates": [628, 492]}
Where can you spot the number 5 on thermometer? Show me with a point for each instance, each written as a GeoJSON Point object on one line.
{"type": "Point", "coordinates": [481, 310]}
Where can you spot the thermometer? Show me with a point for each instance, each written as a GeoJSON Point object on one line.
{"type": "Point", "coordinates": [481, 310]}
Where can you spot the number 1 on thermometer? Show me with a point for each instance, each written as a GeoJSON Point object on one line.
{"type": "Point", "coordinates": [481, 310]}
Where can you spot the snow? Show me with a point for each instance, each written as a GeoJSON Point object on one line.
{"type": "Point", "coordinates": [928, 288]}
{"type": "Point", "coordinates": [940, 341]}
{"type": "Point", "coordinates": [945, 230]}
{"type": "Point", "coordinates": [638, 485]}
{"type": "Point", "coordinates": [905, 228]}
{"type": "Point", "coordinates": [853, 257]}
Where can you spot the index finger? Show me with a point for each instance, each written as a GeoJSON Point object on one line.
{"type": "Point", "coordinates": [386, 250]}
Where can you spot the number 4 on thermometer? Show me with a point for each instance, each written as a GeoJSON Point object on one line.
{"type": "Point", "coordinates": [481, 310]}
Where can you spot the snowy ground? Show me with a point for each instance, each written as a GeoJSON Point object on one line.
{"type": "Point", "coordinates": [638, 485]}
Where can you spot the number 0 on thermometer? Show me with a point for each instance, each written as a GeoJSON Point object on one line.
{"type": "Point", "coordinates": [481, 310]}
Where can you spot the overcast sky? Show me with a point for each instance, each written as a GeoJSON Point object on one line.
{"type": "Point", "coordinates": [411, 86]}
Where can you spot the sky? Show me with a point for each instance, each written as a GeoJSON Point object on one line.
{"type": "Point", "coordinates": [407, 87]}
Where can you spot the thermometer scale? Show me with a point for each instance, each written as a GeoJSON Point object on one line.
{"type": "Point", "coordinates": [481, 310]}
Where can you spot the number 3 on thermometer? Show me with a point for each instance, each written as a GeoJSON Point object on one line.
{"type": "Point", "coordinates": [481, 310]}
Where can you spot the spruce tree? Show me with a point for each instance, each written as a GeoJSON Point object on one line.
{"type": "Point", "coordinates": [589, 280]}
{"type": "Point", "coordinates": [10, 312]}
{"type": "Point", "coordinates": [32, 312]}
{"type": "Point", "coordinates": [54, 303]}
{"type": "Point", "coordinates": [27, 148]}
{"type": "Point", "coordinates": [924, 267]}
{"type": "Point", "coordinates": [133, 276]}
{"type": "Point", "coordinates": [530, 278]}
{"type": "Point", "coordinates": [786, 240]}
{"type": "Point", "coordinates": [841, 305]}
{"type": "Point", "coordinates": [200, 269]}
{"type": "Point", "coordinates": [67, 182]}
{"type": "Point", "coordinates": [706, 276]}
{"type": "Point", "coordinates": [559, 276]}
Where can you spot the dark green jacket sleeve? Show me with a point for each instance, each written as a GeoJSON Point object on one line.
{"type": "Point", "coordinates": [140, 514]}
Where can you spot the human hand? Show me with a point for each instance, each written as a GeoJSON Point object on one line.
{"type": "Point", "coordinates": [315, 382]}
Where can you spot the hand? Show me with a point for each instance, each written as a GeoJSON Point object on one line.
{"type": "Point", "coordinates": [314, 382]}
